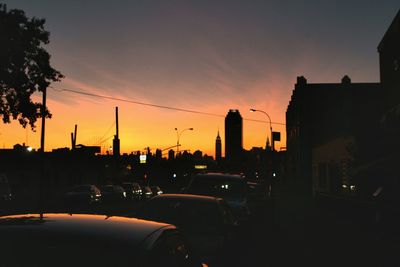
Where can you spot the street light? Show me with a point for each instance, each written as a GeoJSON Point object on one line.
{"type": "Point", "coordinates": [270, 124]}
{"type": "Point", "coordinates": [272, 179]}
{"type": "Point", "coordinates": [178, 135]}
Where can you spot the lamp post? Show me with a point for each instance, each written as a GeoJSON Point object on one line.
{"type": "Point", "coordinates": [270, 125]}
{"type": "Point", "coordinates": [272, 189]}
{"type": "Point", "coordinates": [178, 135]}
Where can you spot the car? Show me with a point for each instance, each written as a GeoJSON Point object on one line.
{"type": "Point", "coordinates": [231, 187]}
{"type": "Point", "coordinates": [156, 190]}
{"type": "Point", "coordinates": [83, 194]}
{"type": "Point", "coordinates": [112, 193]}
{"type": "Point", "coordinates": [146, 192]}
{"type": "Point", "coordinates": [133, 191]}
{"type": "Point", "coordinates": [91, 240]}
{"type": "Point", "coordinates": [206, 221]}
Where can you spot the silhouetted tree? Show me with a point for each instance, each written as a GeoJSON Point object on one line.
{"type": "Point", "coordinates": [24, 66]}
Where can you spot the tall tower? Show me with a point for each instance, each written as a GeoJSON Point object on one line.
{"type": "Point", "coordinates": [233, 135]}
{"type": "Point", "coordinates": [218, 148]}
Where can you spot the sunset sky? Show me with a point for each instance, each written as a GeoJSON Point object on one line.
{"type": "Point", "coordinates": [206, 56]}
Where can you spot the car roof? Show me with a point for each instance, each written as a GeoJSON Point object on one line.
{"type": "Point", "coordinates": [131, 230]}
{"type": "Point", "coordinates": [83, 185]}
{"type": "Point", "coordinates": [188, 197]}
{"type": "Point", "coordinates": [218, 175]}
{"type": "Point", "coordinates": [129, 183]}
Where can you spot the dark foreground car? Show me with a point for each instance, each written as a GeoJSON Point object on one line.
{"type": "Point", "coordinates": [231, 187]}
{"type": "Point", "coordinates": [90, 240]}
{"type": "Point", "coordinates": [207, 222]}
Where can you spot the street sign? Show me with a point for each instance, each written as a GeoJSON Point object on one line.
{"type": "Point", "coordinates": [276, 136]}
{"type": "Point", "coordinates": [143, 159]}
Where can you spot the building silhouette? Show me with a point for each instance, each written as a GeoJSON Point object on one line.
{"type": "Point", "coordinates": [384, 164]}
{"type": "Point", "coordinates": [389, 62]}
{"type": "Point", "coordinates": [171, 154]}
{"type": "Point", "coordinates": [342, 138]}
{"type": "Point", "coordinates": [218, 148]}
{"type": "Point", "coordinates": [321, 113]}
{"type": "Point", "coordinates": [158, 154]}
{"type": "Point", "coordinates": [233, 136]}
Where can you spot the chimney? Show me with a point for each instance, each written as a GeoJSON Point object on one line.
{"type": "Point", "coordinates": [301, 81]}
{"type": "Point", "coordinates": [346, 80]}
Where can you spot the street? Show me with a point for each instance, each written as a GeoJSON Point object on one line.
{"type": "Point", "coordinates": [289, 230]}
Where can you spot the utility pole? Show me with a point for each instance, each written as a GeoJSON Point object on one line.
{"type": "Point", "coordinates": [43, 170]}
{"type": "Point", "coordinates": [73, 138]}
{"type": "Point", "coordinates": [116, 142]}
{"type": "Point", "coordinates": [43, 111]}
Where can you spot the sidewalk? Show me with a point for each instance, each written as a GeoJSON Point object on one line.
{"type": "Point", "coordinates": [311, 235]}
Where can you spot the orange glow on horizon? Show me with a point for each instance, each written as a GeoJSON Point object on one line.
{"type": "Point", "coordinates": [141, 126]}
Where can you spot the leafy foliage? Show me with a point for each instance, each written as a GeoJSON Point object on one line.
{"type": "Point", "coordinates": [24, 66]}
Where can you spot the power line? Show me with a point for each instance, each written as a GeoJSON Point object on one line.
{"type": "Point", "coordinates": [104, 140]}
{"type": "Point", "coordinates": [101, 140]}
{"type": "Point", "coordinates": [155, 105]}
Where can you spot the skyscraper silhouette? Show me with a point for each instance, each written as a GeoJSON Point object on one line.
{"type": "Point", "coordinates": [233, 136]}
{"type": "Point", "coordinates": [218, 148]}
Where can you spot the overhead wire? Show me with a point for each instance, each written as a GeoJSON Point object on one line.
{"type": "Point", "coordinates": [155, 105]}
{"type": "Point", "coordinates": [102, 140]}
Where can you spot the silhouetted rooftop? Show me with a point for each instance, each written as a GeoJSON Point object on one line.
{"type": "Point", "coordinates": [393, 28]}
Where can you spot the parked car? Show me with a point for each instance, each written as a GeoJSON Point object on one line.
{"type": "Point", "coordinates": [207, 222]}
{"type": "Point", "coordinates": [112, 193]}
{"type": "Point", "coordinates": [91, 240]}
{"type": "Point", "coordinates": [231, 187]}
{"type": "Point", "coordinates": [83, 194]}
{"type": "Point", "coordinates": [156, 190]}
{"type": "Point", "coordinates": [146, 192]}
{"type": "Point", "coordinates": [133, 191]}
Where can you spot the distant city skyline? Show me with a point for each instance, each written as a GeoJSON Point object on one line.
{"type": "Point", "coordinates": [205, 56]}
